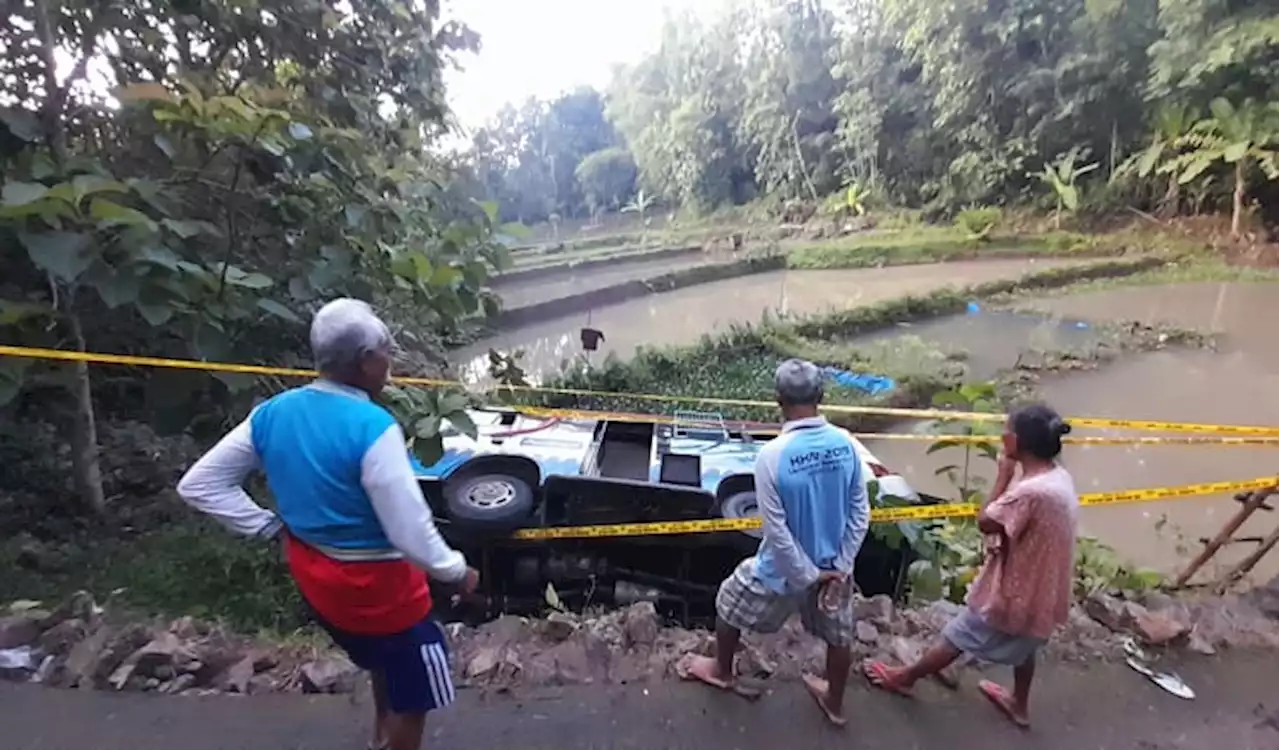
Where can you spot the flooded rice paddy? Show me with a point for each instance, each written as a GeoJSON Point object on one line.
{"type": "Point", "coordinates": [523, 292]}
{"type": "Point", "coordinates": [683, 315]}
{"type": "Point", "coordinates": [1237, 384]}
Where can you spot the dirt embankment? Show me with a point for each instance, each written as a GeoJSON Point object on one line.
{"type": "Point", "coordinates": [80, 644]}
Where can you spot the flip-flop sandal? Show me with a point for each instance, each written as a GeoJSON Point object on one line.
{"type": "Point", "coordinates": [1000, 699]}
{"type": "Point", "coordinates": [878, 675]}
{"type": "Point", "coordinates": [817, 688]}
{"type": "Point", "coordinates": [683, 671]}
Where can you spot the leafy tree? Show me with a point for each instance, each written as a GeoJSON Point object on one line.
{"type": "Point", "coordinates": [1210, 48]}
{"type": "Point", "coordinates": [527, 158]}
{"type": "Point", "coordinates": [787, 126]}
{"type": "Point", "coordinates": [606, 177]}
{"type": "Point", "coordinates": [256, 164]}
{"type": "Point", "coordinates": [678, 108]}
{"type": "Point", "coordinates": [1236, 136]}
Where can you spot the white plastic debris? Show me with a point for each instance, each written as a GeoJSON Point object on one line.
{"type": "Point", "coordinates": [21, 657]}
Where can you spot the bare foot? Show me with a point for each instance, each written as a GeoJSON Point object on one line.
{"type": "Point", "coordinates": [886, 678]}
{"type": "Point", "coordinates": [705, 669]}
{"type": "Point", "coordinates": [1002, 701]}
{"type": "Point", "coordinates": [820, 690]}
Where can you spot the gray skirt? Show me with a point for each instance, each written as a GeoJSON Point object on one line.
{"type": "Point", "coordinates": [971, 634]}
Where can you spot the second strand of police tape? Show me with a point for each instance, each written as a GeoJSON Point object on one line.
{"type": "Point", "coordinates": [886, 515]}
{"type": "Point", "coordinates": [886, 411]}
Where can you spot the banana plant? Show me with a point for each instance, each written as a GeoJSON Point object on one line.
{"type": "Point", "coordinates": [639, 205]}
{"type": "Point", "coordinates": [1061, 175]}
{"type": "Point", "coordinates": [1171, 123]}
{"type": "Point", "coordinates": [855, 198]}
{"type": "Point", "coordinates": [1238, 136]}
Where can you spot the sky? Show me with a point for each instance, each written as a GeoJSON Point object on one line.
{"type": "Point", "coordinates": [543, 47]}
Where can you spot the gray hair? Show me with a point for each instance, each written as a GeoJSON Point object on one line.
{"type": "Point", "coordinates": [344, 332]}
{"type": "Point", "coordinates": [798, 383]}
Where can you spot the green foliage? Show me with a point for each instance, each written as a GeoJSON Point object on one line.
{"type": "Point", "coordinates": [978, 223]}
{"type": "Point", "coordinates": [1238, 137]}
{"type": "Point", "coordinates": [428, 416]}
{"type": "Point", "coordinates": [1061, 176]}
{"type": "Point", "coordinates": [932, 104]}
{"type": "Point", "coordinates": [640, 204]}
{"type": "Point", "coordinates": [528, 159]}
{"type": "Point", "coordinates": [257, 164]}
{"type": "Point", "coordinates": [951, 552]}
{"type": "Point", "coordinates": [851, 201]}
{"type": "Point", "coordinates": [607, 177]}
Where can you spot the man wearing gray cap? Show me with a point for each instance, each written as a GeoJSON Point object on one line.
{"type": "Point", "coordinates": [815, 513]}
{"type": "Point", "coordinates": [359, 537]}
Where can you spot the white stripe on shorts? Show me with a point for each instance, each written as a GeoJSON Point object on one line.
{"type": "Point", "coordinates": [438, 677]}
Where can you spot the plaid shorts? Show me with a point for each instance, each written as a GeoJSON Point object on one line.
{"type": "Point", "coordinates": [745, 604]}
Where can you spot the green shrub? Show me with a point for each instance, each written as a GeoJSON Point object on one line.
{"type": "Point", "coordinates": [978, 223]}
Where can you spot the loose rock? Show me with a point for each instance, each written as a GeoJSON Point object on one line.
{"type": "Point", "coordinates": [165, 651]}
{"type": "Point", "coordinates": [559, 626]}
{"type": "Point", "coordinates": [866, 632]}
{"type": "Point", "coordinates": [1155, 628]}
{"type": "Point", "coordinates": [877, 609]}
{"type": "Point", "coordinates": [333, 674]}
{"type": "Point", "coordinates": [572, 665]}
{"type": "Point", "coordinates": [641, 624]}
{"type": "Point", "coordinates": [237, 677]}
{"type": "Point", "coordinates": [19, 630]}
{"type": "Point", "coordinates": [59, 639]}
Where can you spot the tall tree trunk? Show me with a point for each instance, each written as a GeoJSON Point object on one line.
{"type": "Point", "coordinates": [85, 463]}
{"type": "Point", "coordinates": [85, 457]}
{"type": "Point", "coordinates": [1172, 195]}
{"type": "Point", "coordinates": [1237, 200]}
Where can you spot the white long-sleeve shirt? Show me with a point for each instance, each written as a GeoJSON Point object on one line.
{"type": "Point", "coordinates": [214, 485]}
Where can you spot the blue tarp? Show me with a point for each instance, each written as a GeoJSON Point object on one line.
{"type": "Point", "coordinates": [869, 384]}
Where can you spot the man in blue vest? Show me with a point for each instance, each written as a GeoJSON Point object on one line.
{"type": "Point", "coordinates": [359, 537]}
{"type": "Point", "coordinates": [815, 511]}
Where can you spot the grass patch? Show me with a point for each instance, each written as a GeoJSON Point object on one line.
{"type": "Point", "coordinates": [191, 566]}
{"type": "Point", "coordinates": [939, 244]}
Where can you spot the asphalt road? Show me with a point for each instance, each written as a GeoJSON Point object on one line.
{"type": "Point", "coordinates": [1103, 707]}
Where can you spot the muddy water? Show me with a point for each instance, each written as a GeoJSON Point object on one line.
{"type": "Point", "coordinates": [574, 281]}
{"type": "Point", "coordinates": [1236, 385]}
{"type": "Point", "coordinates": [681, 316]}
{"type": "Point", "coordinates": [991, 341]}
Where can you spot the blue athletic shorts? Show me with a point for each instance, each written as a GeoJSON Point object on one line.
{"type": "Point", "coordinates": [414, 663]}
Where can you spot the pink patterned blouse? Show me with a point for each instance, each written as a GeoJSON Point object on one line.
{"type": "Point", "coordinates": [1024, 587]}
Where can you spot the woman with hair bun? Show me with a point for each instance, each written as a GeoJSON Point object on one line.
{"type": "Point", "coordinates": [1024, 588]}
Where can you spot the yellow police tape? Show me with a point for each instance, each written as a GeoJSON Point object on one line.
{"type": "Point", "coordinates": [882, 515]}
{"type": "Point", "coordinates": [767, 429]}
{"type": "Point", "coordinates": [188, 364]}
